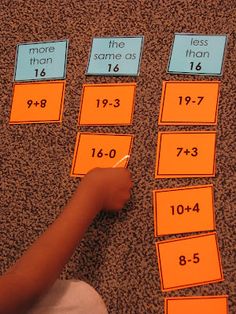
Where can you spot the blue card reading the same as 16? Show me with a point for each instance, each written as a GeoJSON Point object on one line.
{"type": "Point", "coordinates": [197, 54]}
{"type": "Point", "coordinates": [41, 61]}
{"type": "Point", "coordinates": [115, 56]}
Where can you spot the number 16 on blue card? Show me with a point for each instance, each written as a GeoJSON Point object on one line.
{"type": "Point", "coordinates": [115, 56]}
{"type": "Point", "coordinates": [197, 54]}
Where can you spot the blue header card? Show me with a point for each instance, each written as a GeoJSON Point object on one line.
{"type": "Point", "coordinates": [41, 61]}
{"type": "Point", "coordinates": [115, 56]}
{"type": "Point", "coordinates": [197, 54]}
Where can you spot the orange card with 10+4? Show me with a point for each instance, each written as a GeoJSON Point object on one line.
{"type": "Point", "coordinates": [184, 209]}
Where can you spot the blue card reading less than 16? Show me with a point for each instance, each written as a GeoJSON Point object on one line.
{"type": "Point", "coordinates": [197, 54]}
{"type": "Point", "coordinates": [41, 61]}
{"type": "Point", "coordinates": [115, 56]}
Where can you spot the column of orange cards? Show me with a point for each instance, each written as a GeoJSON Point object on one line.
{"type": "Point", "coordinates": [187, 153]}
{"type": "Point", "coordinates": [193, 260]}
{"type": "Point", "coordinates": [39, 88]}
{"type": "Point", "coordinates": [104, 104]}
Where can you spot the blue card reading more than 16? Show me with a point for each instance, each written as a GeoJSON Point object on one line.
{"type": "Point", "coordinates": [41, 61]}
{"type": "Point", "coordinates": [197, 54]}
{"type": "Point", "coordinates": [115, 56]}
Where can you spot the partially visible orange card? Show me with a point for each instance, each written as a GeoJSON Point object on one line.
{"type": "Point", "coordinates": [100, 150]}
{"type": "Point", "coordinates": [217, 304]}
{"type": "Point", "coordinates": [185, 154]}
{"type": "Point", "coordinates": [190, 261]}
{"type": "Point", "coordinates": [107, 104]}
{"type": "Point", "coordinates": [189, 102]}
{"type": "Point", "coordinates": [185, 209]}
{"type": "Point", "coordinates": [37, 102]}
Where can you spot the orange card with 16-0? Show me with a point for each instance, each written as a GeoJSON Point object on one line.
{"type": "Point", "coordinates": [100, 150]}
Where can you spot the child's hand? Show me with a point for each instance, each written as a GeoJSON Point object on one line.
{"type": "Point", "coordinates": [111, 186]}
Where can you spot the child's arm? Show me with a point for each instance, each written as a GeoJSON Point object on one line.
{"type": "Point", "coordinates": [42, 263]}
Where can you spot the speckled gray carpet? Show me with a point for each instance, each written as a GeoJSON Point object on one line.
{"type": "Point", "coordinates": [117, 255]}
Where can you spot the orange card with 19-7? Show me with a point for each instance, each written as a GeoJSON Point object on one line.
{"type": "Point", "coordinates": [189, 261]}
{"type": "Point", "coordinates": [185, 154]}
{"type": "Point", "coordinates": [189, 102]}
{"type": "Point", "coordinates": [38, 102]}
{"type": "Point", "coordinates": [100, 150]}
{"type": "Point", "coordinates": [107, 104]}
{"type": "Point", "coordinates": [215, 304]}
{"type": "Point", "coordinates": [184, 209]}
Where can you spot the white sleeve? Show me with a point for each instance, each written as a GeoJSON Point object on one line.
{"type": "Point", "coordinates": [70, 297]}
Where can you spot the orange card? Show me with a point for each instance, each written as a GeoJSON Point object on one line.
{"type": "Point", "coordinates": [100, 150]}
{"type": "Point", "coordinates": [189, 102]}
{"type": "Point", "coordinates": [190, 261]}
{"type": "Point", "coordinates": [185, 209]}
{"type": "Point", "coordinates": [217, 304]}
{"type": "Point", "coordinates": [107, 104]}
{"type": "Point", "coordinates": [37, 102]}
{"type": "Point", "coordinates": [185, 154]}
